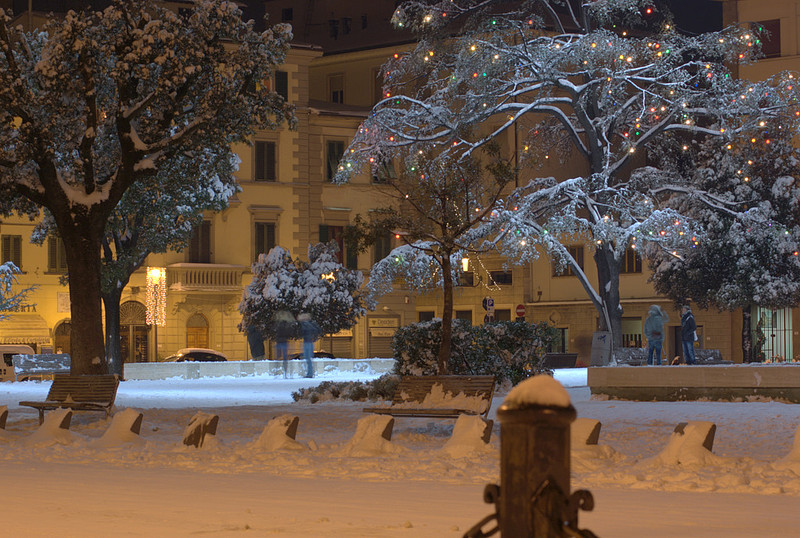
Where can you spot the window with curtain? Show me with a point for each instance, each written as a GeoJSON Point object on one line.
{"type": "Point", "coordinates": [335, 152]}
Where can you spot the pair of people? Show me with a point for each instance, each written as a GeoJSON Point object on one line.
{"type": "Point", "coordinates": [285, 330]}
{"type": "Point", "coordinates": [654, 332]}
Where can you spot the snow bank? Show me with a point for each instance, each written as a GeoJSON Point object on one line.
{"type": "Point", "coordinates": [437, 398]}
{"type": "Point", "coordinates": [369, 439]}
{"type": "Point", "coordinates": [467, 438]}
{"type": "Point", "coordinates": [121, 431]}
{"type": "Point", "coordinates": [51, 432]}
{"type": "Point", "coordinates": [274, 436]}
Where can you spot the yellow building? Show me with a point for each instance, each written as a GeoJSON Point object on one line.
{"type": "Point", "coordinates": [288, 200]}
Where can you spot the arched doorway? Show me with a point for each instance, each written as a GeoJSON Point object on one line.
{"type": "Point", "coordinates": [61, 337]}
{"type": "Point", "coordinates": [133, 331]}
{"type": "Point", "coordinates": [197, 331]}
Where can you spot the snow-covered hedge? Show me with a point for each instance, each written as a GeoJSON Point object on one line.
{"type": "Point", "coordinates": [378, 389]}
{"type": "Point", "coordinates": [509, 350]}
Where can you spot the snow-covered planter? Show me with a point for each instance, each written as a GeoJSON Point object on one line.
{"type": "Point", "coordinates": [509, 350]}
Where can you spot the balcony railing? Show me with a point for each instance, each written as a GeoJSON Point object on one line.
{"type": "Point", "coordinates": [204, 277]}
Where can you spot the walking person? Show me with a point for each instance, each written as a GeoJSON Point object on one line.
{"type": "Point", "coordinates": [688, 334]}
{"type": "Point", "coordinates": [310, 331]}
{"type": "Point", "coordinates": [654, 332]}
{"type": "Point", "coordinates": [284, 331]}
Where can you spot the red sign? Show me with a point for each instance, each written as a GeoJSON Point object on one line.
{"type": "Point", "coordinates": [520, 310]}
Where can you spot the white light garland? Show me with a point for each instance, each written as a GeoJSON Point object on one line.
{"type": "Point", "coordinates": [156, 296]}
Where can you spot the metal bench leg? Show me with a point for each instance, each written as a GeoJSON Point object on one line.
{"type": "Point", "coordinates": [41, 417]}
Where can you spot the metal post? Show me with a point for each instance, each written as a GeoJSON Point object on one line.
{"type": "Point", "coordinates": [534, 498]}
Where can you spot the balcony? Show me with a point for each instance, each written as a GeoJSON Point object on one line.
{"type": "Point", "coordinates": [204, 277]}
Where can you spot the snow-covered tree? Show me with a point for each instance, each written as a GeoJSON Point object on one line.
{"type": "Point", "coordinates": [9, 298]}
{"type": "Point", "coordinates": [740, 262]}
{"type": "Point", "coordinates": [321, 287]}
{"type": "Point", "coordinates": [99, 101]}
{"type": "Point", "coordinates": [433, 207]}
{"type": "Point", "coordinates": [595, 85]}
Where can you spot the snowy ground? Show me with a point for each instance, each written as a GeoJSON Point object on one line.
{"type": "Point", "coordinates": [71, 486]}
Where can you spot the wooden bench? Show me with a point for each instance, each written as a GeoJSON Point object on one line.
{"type": "Point", "coordinates": [79, 393]}
{"type": "Point", "coordinates": [415, 388]}
{"type": "Point", "coordinates": [41, 366]}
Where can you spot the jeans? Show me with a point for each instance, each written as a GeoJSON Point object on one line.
{"type": "Point", "coordinates": [654, 348]}
{"type": "Point", "coordinates": [282, 349]}
{"type": "Point", "coordinates": [308, 353]}
{"type": "Point", "coordinates": [688, 352]}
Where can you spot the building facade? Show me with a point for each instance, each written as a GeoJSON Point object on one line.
{"type": "Point", "coordinates": [332, 75]}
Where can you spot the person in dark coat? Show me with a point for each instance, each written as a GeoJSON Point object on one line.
{"type": "Point", "coordinates": [654, 332]}
{"type": "Point", "coordinates": [284, 331]}
{"type": "Point", "coordinates": [688, 334]}
{"type": "Point", "coordinates": [310, 331]}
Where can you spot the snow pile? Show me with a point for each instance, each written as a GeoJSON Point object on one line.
{"type": "Point", "coordinates": [538, 390]}
{"type": "Point", "coordinates": [370, 439]}
{"type": "Point", "coordinates": [121, 431]}
{"type": "Point", "coordinates": [686, 447]}
{"type": "Point", "coordinates": [437, 398]}
{"type": "Point", "coordinates": [467, 438]}
{"type": "Point", "coordinates": [274, 436]}
{"type": "Point", "coordinates": [51, 432]}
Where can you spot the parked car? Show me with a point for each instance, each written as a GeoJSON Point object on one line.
{"type": "Point", "coordinates": [197, 354]}
{"type": "Point", "coordinates": [321, 354]}
{"type": "Point", "coordinates": [6, 352]}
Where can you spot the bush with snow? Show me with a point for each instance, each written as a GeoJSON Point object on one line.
{"type": "Point", "coordinates": [509, 350]}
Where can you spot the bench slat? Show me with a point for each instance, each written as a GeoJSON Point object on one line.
{"type": "Point", "coordinates": [416, 388]}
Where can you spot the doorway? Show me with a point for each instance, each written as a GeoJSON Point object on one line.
{"type": "Point", "coordinates": [133, 332]}
{"type": "Point", "coordinates": [197, 331]}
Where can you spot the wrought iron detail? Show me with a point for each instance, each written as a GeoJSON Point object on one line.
{"type": "Point", "coordinates": [491, 495]}
{"type": "Point", "coordinates": [556, 513]}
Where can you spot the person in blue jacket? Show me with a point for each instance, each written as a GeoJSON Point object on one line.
{"type": "Point", "coordinates": [654, 332]}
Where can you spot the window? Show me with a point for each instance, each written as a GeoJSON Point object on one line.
{"type": "Point", "coordinates": [502, 314]}
{"type": "Point", "coordinates": [464, 314]}
{"type": "Point", "coordinates": [347, 254]}
{"type": "Point", "coordinates": [12, 250]}
{"type": "Point", "coordinates": [56, 255]}
{"type": "Point", "coordinates": [377, 87]}
{"type": "Point", "coordinates": [382, 247]}
{"type": "Point", "coordinates": [336, 88]}
{"type": "Point", "coordinates": [560, 343]}
{"type": "Point", "coordinates": [425, 316]}
{"type": "Point", "coordinates": [264, 238]}
{"type": "Point", "coordinates": [333, 28]}
{"type": "Point", "coordinates": [466, 279]}
{"type": "Point", "coordinates": [282, 84]}
{"type": "Point", "coordinates": [265, 161]}
{"type": "Point", "coordinates": [502, 277]}
{"type": "Point", "coordinates": [632, 262]}
{"type": "Point", "coordinates": [334, 155]}
{"type": "Point", "coordinates": [384, 172]}
{"type": "Point", "coordinates": [287, 14]}
{"type": "Point", "coordinates": [770, 38]}
{"type": "Point", "coordinates": [632, 332]}
{"type": "Point", "coordinates": [200, 245]}
{"type": "Point", "coordinates": [576, 251]}
{"type": "Point", "coordinates": [347, 24]}
{"type": "Point", "coordinates": [363, 22]}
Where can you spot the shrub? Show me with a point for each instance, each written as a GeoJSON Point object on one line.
{"type": "Point", "coordinates": [378, 389]}
{"type": "Point", "coordinates": [509, 350]}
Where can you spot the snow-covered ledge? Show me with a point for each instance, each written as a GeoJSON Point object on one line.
{"type": "Point", "coordinates": [297, 368]}
{"type": "Point", "coordinates": [719, 382]}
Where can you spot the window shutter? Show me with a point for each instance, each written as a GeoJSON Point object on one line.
{"type": "Point", "coordinates": [260, 161]}
{"type": "Point", "coordinates": [269, 158]}
{"type": "Point", "coordinates": [259, 239]}
{"type": "Point", "coordinates": [16, 250]}
{"type": "Point", "coordinates": [282, 84]}
{"type": "Point", "coordinates": [6, 249]}
{"type": "Point", "coordinates": [351, 255]}
{"type": "Point", "coordinates": [323, 233]}
{"type": "Point", "coordinates": [52, 254]}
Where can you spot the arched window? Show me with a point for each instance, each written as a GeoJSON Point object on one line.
{"type": "Point", "coordinates": [61, 337]}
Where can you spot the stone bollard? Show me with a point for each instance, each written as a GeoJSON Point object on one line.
{"type": "Point", "coordinates": [534, 498]}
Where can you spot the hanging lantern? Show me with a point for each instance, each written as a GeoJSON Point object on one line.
{"type": "Point", "coordinates": [156, 296]}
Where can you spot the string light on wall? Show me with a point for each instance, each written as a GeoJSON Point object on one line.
{"type": "Point", "coordinates": [156, 298]}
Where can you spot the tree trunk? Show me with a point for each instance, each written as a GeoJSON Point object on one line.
{"type": "Point", "coordinates": [447, 315]}
{"type": "Point", "coordinates": [608, 268]}
{"type": "Point", "coordinates": [114, 358]}
{"type": "Point", "coordinates": [747, 335]}
{"type": "Point", "coordinates": [82, 235]}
